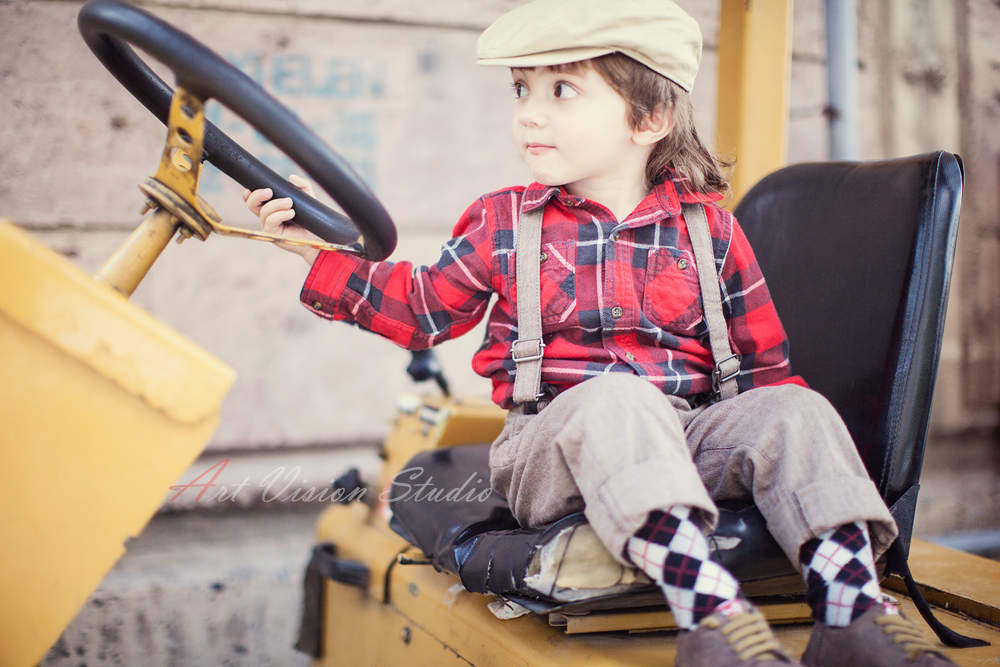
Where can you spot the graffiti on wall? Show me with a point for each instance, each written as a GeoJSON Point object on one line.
{"type": "Point", "coordinates": [337, 98]}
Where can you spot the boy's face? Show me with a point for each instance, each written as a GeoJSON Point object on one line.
{"type": "Point", "coordinates": [571, 129]}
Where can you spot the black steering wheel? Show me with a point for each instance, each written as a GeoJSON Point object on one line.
{"type": "Point", "coordinates": [108, 26]}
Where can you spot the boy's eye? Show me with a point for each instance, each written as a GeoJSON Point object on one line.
{"type": "Point", "coordinates": [520, 90]}
{"type": "Point", "coordinates": [564, 91]}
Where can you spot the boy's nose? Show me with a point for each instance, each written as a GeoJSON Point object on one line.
{"type": "Point", "coordinates": [531, 113]}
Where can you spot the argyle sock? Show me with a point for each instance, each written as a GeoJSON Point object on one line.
{"type": "Point", "coordinates": [839, 569]}
{"type": "Point", "coordinates": [673, 552]}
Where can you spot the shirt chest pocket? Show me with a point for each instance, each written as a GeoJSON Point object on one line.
{"type": "Point", "coordinates": [557, 281]}
{"type": "Point", "coordinates": [670, 297]}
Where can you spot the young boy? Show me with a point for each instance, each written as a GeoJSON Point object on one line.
{"type": "Point", "coordinates": [630, 395]}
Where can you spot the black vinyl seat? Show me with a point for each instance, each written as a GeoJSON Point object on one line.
{"type": "Point", "coordinates": [858, 258]}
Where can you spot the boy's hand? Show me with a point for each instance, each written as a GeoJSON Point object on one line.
{"type": "Point", "coordinates": [276, 215]}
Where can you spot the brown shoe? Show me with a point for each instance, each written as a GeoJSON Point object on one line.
{"type": "Point", "coordinates": [881, 637]}
{"type": "Point", "coordinates": [741, 640]}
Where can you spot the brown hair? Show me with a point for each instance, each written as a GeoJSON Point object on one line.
{"type": "Point", "coordinates": [646, 91]}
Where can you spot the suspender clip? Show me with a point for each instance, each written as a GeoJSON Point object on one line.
{"type": "Point", "coordinates": [721, 379]}
{"type": "Point", "coordinates": [528, 349]}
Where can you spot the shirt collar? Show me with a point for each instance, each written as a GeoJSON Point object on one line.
{"type": "Point", "coordinates": [670, 190]}
{"type": "Point", "coordinates": [673, 189]}
{"type": "Point", "coordinates": [537, 195]}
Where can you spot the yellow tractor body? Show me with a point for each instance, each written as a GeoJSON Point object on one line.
{"type": "Point", "coordinates": [102, 407]}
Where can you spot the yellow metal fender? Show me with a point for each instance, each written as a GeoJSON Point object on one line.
{"type": "Point", "coordinates": [102, 407]}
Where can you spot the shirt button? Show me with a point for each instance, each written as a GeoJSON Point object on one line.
{"type": "Point", "coordinates": [682, 264]}
{"type": "Point", "coordinates": [631, 357]}
{"type": "Point", "coordinates": [317, 305]}
{"type": "Point", "coordinates": [542, 257]}
{"type": "Point", "coordinates": [617, 312]}
{"type": "Point", "coordinates": [614, 237]}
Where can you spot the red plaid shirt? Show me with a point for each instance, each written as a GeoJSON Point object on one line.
{"type": "Point", "coordinates": [616, 296]}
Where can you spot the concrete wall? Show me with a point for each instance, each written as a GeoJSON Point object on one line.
{"type": "Point", "coordinates": [930, 79]}
{"type": "Point", "coordinates": [196, 590]}
{"type": "Point", "coordinates": [405, 103]}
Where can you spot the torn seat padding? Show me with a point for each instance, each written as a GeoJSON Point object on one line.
{"type": "Point", "coordinates": [483, 544]}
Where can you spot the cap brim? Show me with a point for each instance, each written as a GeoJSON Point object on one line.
{"type": "Point", "coordinates": [564, 56]}
{"type": "Point", "coordinates": [547, 58]}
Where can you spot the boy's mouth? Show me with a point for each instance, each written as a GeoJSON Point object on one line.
{"type": "Point", "coordinates": [536, 149]}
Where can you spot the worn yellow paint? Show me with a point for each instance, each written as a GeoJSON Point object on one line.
{"type": "Point", "coordinates": [755, 55]}
{"type": "Point", "coordinates": [129, 265]}
{"type": "Point", "coordinates": [96, 326]}
{"type": "Point", "coordinates": [101, 409]}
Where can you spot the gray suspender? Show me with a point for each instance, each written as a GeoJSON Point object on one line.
{"type": "Point", "coordinates": [727, 364]}
{"type": "Point", "coordinates": [528, 349]}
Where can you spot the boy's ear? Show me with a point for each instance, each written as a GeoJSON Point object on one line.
{"type": "Point", "coordinates": [654, 127]}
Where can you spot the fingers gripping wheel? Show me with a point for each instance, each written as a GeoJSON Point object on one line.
{"type": "Point", "coordinates": [109, 26]}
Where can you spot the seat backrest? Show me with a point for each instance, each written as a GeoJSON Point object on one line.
{"type": "Point", "coordinates": [858, 258]}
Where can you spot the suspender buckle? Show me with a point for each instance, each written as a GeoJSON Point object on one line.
{"type": "Point", "coordinates": [527, 349]}
{"type": "Point", "coordinates": [718, 376]}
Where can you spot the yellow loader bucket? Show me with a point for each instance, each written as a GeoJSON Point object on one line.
{"type": "Point", "coordinates": [102, 407]}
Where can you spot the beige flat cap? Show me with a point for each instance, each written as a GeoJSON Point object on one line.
{"type": "Point", "coordinates": [657, 33]}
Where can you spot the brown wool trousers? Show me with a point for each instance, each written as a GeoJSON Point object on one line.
{"type": "Point", "coordinates": [617, 448]}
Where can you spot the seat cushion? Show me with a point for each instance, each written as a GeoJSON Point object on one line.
{"type": "Point", "coordinates": [482, 543]}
